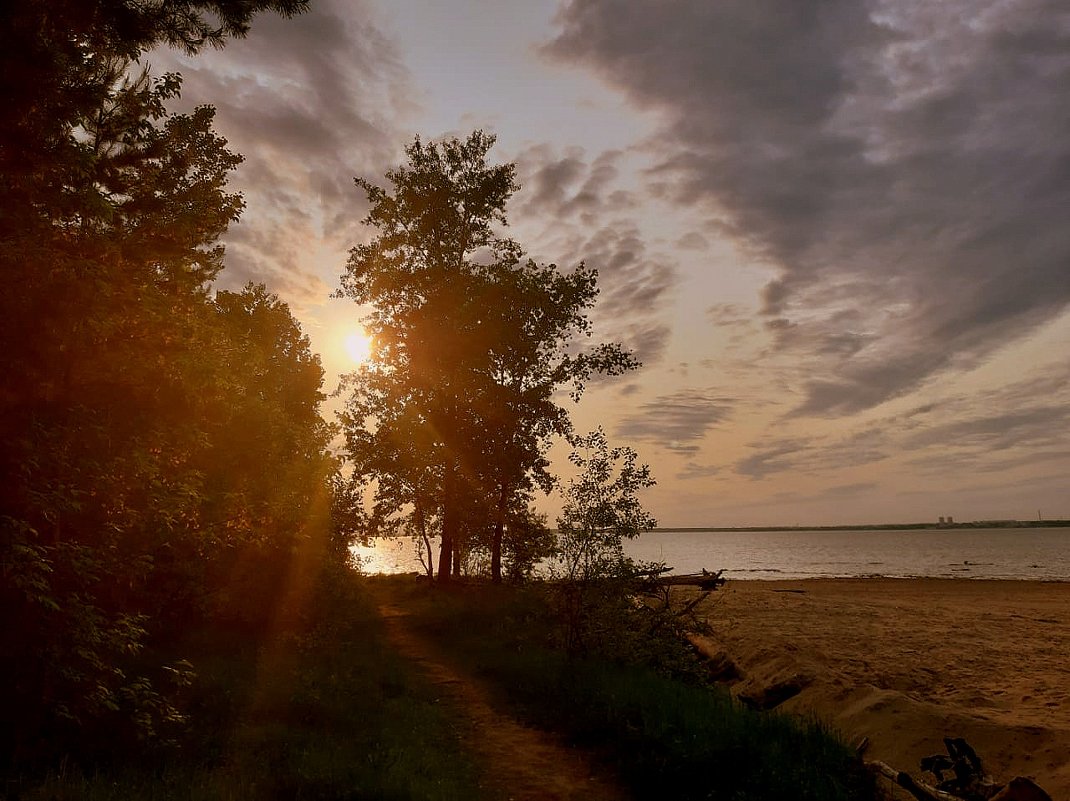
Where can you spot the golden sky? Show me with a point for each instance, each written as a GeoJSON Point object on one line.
{"type": "Point", "coordinates": [835, 233]}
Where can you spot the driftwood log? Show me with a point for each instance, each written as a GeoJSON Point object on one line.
{"type": "Point", "coordinates": [920, 790]}
{"type": "Point", "coordinates": [967, 781]}
{"type": "Point", "coordinates": [704, 580]}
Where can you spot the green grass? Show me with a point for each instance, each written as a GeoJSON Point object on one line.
{"type": "Point", "coordinates": [330, 713]}
{"type": "Point", "coordinates": [665, 737]}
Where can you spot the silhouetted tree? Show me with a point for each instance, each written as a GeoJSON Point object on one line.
{"type": "Point", "coordinates": [601, 508]}
{"type": "Point", "coordinates": [154, 437]}
{"type": "Point", "coordinates": [457, 406]}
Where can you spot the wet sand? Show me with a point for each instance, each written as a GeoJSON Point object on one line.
{"type": "Point", "coordinates": [906, 662]}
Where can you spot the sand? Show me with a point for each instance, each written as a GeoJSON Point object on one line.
{"type": "Point", "coordinates": [906, 662]}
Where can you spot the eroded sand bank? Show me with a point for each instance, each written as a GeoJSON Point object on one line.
{"type": "Point", "coordinates": [906, 662]}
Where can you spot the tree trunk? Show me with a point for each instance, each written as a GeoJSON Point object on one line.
{"type": "Point", "coordinates": [421, 525]}
{"type": "Point", "coordinates": [449, 525]}
{"type": "Point", "coordinates": [496, 543]}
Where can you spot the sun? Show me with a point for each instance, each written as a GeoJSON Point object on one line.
{"type": "Point", "coordinates": [358, 346]}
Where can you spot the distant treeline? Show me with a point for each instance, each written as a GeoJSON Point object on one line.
{"type": "Point", "coordinates": [882, 526]}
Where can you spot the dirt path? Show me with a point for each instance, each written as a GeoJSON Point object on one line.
{"type": "Point", "coordinates": [519, 763]}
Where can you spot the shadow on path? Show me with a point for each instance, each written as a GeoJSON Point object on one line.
{"type": "Point", "coordinates": [518, 763]}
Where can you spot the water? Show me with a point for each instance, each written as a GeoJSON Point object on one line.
{"type": "Point", "coordinates": [990, 553]}
{"type": "Point", "coordinates": [993, 553]}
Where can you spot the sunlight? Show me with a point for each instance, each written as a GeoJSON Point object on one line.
{"type": "Point", "coordinates": [358, 346]}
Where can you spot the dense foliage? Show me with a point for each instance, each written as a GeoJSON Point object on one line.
{"type": "Point", "coordinates": [328, 711]}
{"type": "Point", "coordinates": [455, 411]}
{"type": "Point", "coordinates": [650, 716]}
{"type": "Point", "coordinates": [163, 457]}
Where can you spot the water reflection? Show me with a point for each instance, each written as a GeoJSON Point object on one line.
{"type": "Point", "coordinates": [391, 556]}
{"type": "Point", "coordinates": [1038, 553]}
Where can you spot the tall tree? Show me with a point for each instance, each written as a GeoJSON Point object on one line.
{"type": "Point", "coordinates": [101, 338]}
{"type": "Point", "coordinates": [59, 60]}
{"type": "Point", "coordinates": [125, 377]}
{"type": "Point", "coordinates": [458, 402]}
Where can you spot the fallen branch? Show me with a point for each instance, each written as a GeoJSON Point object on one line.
{"type": "Point", "coordinates": [920, 790]}
{"type": "Point", "coordinates": [704, 580]}
{"type": "Point", "coordinates": [968, 782]}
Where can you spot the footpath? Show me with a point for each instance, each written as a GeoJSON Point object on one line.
{"type": "Point", "coordinates": [518, 762]}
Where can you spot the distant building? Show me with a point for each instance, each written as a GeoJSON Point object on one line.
{"type": "Point", "coordinates": [941, 520]}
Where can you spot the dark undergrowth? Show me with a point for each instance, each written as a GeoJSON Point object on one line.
{"type": "Point", "coordinates": [326, 711]}
{"type": "Point", "coordinates": [329, 711]}
{"type": "Point", "coordinates": [664, 731]}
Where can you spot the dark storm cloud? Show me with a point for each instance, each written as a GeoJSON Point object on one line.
{"type": "Point", "coordinates": [677, 422]}
{"type": "Point", "coordinates": [310, 102]}
{"type": "Point", "coordinates": [905, 167]}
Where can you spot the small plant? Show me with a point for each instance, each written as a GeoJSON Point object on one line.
{"type": "Point", "coordinates": [595, 577]}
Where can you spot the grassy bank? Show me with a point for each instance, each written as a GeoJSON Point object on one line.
{"type": "Point", "coordinates": [666, 737]}
{"type": "Point", "coordinates": [328, 712]}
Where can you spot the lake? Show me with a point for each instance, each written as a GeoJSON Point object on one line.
{"type": "Point", "coordinates": [988, 553]}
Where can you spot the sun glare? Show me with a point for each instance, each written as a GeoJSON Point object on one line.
{"type": "Point", "coordinates": [358, 346]}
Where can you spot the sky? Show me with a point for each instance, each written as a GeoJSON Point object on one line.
{"type": "Point", "coordinates": [837, 234]}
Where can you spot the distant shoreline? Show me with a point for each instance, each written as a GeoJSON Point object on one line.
{"type": "Point", "coordinates": [877, 526]}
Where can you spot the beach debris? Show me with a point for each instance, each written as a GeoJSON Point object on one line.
{"type": "Point", "coordinates": [704, 581]}
{"type": "Point", "coordinates": [967, 780]}
{"type": "Point", "coordinates": [773, 695]}
{"type": "Point", "coordinates": [1021, 788]}
{"type": "Point", "coordinates": [722, 668]}
{"type": "Point", "coordinates": [654, 584]}
{"type": "Point", "coordinates": [918, 789]}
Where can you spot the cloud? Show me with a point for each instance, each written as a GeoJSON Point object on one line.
{"type": "Point", "coordinates": [775, 457]}
{"type": "Point", "coordinates": [1016, 428]}
{"type": "Point", "coordinates": [846, 490]}
{"type": "Point", "coordinates": [567, 186]}
{"type": "Point", "coordinates": [310, 102]}
{"type": "Point", "coordinates": [694, 470]}
{"type": "Point", "coordinates": [677, 422]}
{"type": "Point", "coordinates": [1021, 424]}
{"type": "Point", "coordinates": [905, 168]}
{"type": "Point", "coordinates": [693, 240]}
{"type": "Point", "coordinates": [631, 283]}
{"type": "Point", "coordinates": [572, 206]}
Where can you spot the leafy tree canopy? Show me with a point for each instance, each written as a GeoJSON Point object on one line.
{"type": "Point", "coordinates": [163, 457]}
{"type": "Point", "coordinates": [59, 61]}
{"type": "Point", "coordinates": [473, 345]}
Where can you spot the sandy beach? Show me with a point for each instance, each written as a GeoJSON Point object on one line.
{"type": "Point", "coordinates": [906, 662]}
